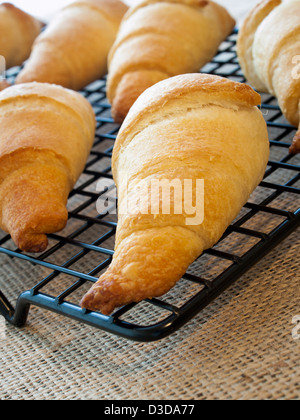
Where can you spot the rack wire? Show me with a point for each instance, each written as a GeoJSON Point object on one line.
{"type": "Point", "coordinates": [56, 279]}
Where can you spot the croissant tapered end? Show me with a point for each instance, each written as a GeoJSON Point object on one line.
{"type": "Point", "coordinates": [132, 85]}
{"type": "Point", "coordinates": [33, 203]}
{"type": "Point", "coordinates": [295, 147]}
{"type": "Point", "coordinates": [18, 33]}
{"type": "Point", "coordinates": [33, 71]}
{"type": "Point", "coordinates": [136, 272]}
{"type": "Point", "coordinates": [73, 49]}
{"type": "Point", "coordinates": [29, 237]}
{"type": "Point", "coordinates": [30, 242]}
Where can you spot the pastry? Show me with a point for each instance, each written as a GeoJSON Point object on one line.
{"type": "Point", "coordinates": [47, 133]}
{"type": "Point", "coordinates": [160, 39]}
{"type": "Point", "coordinates": [18, 31]}
{"type": "Point", "coordinates": [201, 135]}
{"type": "Point", "coordinates": [269, 53]}
{"type": "Point", "coordinates": [73, 49]}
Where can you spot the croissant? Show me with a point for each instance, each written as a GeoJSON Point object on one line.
{"type": "Point", "coordinates": [47, 132]}
{"type": "Point", "coordinates": [18, 31]}
{"type": "Point", "coordinates": [159, 39]}
{"type": "Point", "coordinates": [186, 130]}
{"type": "Point", "coordinates": [269, 54]}
{"type": "Point", "coordinates": [72, 51]}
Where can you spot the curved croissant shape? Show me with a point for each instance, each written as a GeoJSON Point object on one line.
{"type": "Point", "coordinates": [18, 31]}
{"type": "Point", "coordinates": [159, 39]}
{"type": "Point", "coordinates": [41, 158]}
{"type": "Point", "coordinates": [72, 51]}
{"type": "Point", "coordinates": [184, 129]}
{"type": "Point", "coordinates": [269, 54]}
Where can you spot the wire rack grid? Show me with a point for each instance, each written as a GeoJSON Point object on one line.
{"type": "Point", "coordinates": [56, 279]}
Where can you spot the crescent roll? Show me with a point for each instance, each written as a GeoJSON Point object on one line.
{"type": "Point", "coordinates": [189, 154]}
{"type": "Point", "coordinates": [46, 136]}
{"type": "Point", "coordinates": [269, 53]}
{"type": "Point", "coordinates": [72, 51]}
{"type": "Point", "coordinates": [160, 39]}
{"type": "Point", "coordinates": [18, 31]}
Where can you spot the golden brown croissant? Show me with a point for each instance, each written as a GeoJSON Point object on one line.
{"type": "Point", "coordinates": [268, 48]}
{"type": "Point", "coordinates": [182, 130]}
{"type": "Point", "coordinates": [18, 31]}
{"type": "Point", "coordinates": [46, 136]}
{"type": "Point", "coordinates": [72, 51]}
{"type": "Point", "coordinates": [159, 39]}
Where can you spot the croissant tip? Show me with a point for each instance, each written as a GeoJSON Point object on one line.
{"type": "Point", "coordinates": [118, 117]}
{"type": "Point", "coordinates": [32, 243]}
{"type": "Point", "coordinates": [295, 147]}
{"type": "Point", "coordinates": [90, 303]}
{"type": "Point", "coordinates": [40, 245]}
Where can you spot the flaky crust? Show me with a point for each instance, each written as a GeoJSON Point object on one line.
{"type": "Point", "coordinates": [72, 51]}
{"type": "Point", "coordinates": [18, 31]}
{"type": "Point", "coordinates": [268, 42]}
{"type": "Point", "coordinates": [41, 158]}
{"type": "Point", "coordinates": [189, 127]}
{"type": "Point", "coordinates": [160, 39]}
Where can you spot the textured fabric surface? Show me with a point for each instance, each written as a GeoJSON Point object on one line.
{"type": "Point", "coordinates": [240, 347]}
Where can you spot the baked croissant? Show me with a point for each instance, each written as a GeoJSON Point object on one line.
{"type": "Point", "coordinates": [269, 50]}
{"type": "Point", "coordinates": [159, 39]}
{"type": "Point", "coordinates": [18, 31]}
{"type": "Point", "coordinates": [46, 136]}
{"type": "Point", "coordinates": [187, 128]}
{"type": "Point", "coordinates": [72, 51]}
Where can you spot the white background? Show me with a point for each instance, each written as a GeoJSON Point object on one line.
{"type": "Point", "coordinates": [45, 9]}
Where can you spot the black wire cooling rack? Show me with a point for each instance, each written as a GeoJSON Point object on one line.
{"type": "Point", "coordinates": [77, 256]}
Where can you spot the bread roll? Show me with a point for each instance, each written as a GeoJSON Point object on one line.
{"type": "Point", "coordinates": [160, 39]}
{"type": "Point", "coordinates": [72, 51]}
{"type": "Point", "coordinates": [268, 47]}
{"type": "Point", "coordinates": [185, 132]}
{"type": "Point", "coordinates": [18, 31]}
{"type": "Point", "coordinates": [46, 135]}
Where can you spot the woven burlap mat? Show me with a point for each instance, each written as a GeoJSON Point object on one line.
{"type": "Point", "coordinates": [240, 347]}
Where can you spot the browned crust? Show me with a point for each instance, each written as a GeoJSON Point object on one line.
{"type": "Point", "coordinates": [29, 21]}
{"type": "Point", "coordinates": [132, 85]}
{"type": "Point", "coordinates": [33, 204]}
{"type": "Point", "coordinates": [74, 58]}
{"type": "Point", "coordinates": [35, 177]}
{"type": "Point", "coordinates": [151, 54]}
{"type": "Point", "coordinates": [18, 12]}
{"type": "Point", "coordinates": [178, 86]}
{"type": "Point", "coordinates": [127, 281]}
{"type": "Point", "coordinates": [295, 147]}
{"type": "Point", "coordinates": [29, 27]}
{"type": "Point", "coordinates": [78, 105]}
